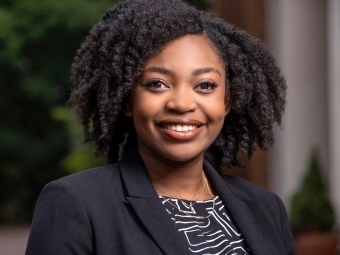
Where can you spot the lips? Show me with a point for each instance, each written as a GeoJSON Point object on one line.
{"type": "Point", "coordinates": [180, 129]}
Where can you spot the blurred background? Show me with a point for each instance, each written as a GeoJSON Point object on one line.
{"type": "Point", "coordinates": [40, 139]}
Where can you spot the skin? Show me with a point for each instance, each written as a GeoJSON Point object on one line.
{"type": "Point", "coordinates": [182, 85]}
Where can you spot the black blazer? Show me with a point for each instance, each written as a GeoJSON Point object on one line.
{"type": "Point", "coordinates": [115, 210]}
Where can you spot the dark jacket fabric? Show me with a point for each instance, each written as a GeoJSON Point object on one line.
{"type": "Point", "coordinates": [115, 210]}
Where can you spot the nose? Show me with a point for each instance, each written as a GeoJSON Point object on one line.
{"type": "Point", "coordinates": [181, 100]}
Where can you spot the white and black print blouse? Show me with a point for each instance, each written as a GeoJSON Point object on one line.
{"type": "Point", "coordinates": [213, 235]}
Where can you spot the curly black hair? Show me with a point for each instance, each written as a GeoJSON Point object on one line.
{"type": "Point", "coordinates": [112, 57]}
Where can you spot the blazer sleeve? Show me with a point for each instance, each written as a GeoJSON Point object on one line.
{"type": "Point", "coordinates": [60, 223]}
{"type": "Point", "coordinates": [286, 232]}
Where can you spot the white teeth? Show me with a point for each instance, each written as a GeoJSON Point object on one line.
{"type": "Point", "coordinates": [181, 128]}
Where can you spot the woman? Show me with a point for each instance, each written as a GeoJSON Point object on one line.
{"type": "Point", "coordinates": [177, 93]}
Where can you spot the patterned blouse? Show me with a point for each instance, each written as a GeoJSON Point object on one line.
{"type": "Point", "coordinates": [215, 234]}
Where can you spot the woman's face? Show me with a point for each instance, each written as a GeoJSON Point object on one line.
{"type": "Point", "coordinates": [179, 104]}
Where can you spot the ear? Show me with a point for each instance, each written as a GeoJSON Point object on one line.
{"type": "Point", "coordinates": [127, 106]}
{"type": "Point", "coordinates": [227, 102]}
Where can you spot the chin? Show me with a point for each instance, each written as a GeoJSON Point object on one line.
{"type": "Point", "coordinates": [183, 157]}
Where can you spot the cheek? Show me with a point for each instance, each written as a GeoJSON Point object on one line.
{"type": "Point", "coordinates": [140, 117]}
{"type": "Point", "coordinates": [144, 112]}
{"type": "Point", "coordinates": [220, 121]}
{"type": "Point", "coordinates": [217, 117]}
{"type": "Point", "coordinates": [141, 106]}
{"type": "Point", "coordinates": [218, 125]}
{"type": "Point", "coordinates": [216, 109]}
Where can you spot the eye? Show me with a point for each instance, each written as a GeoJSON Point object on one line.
{"type": "Point", "coordinates": [206, 86]}
{"type": "Point", "coordinates": [156, 84]}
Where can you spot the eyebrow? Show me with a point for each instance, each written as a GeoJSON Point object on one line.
{"type": "Point", "coordinates": [159, 70]}
{"type": "Point", "coordinates": [195, 72]}
{"type": "Point", "coordinates": [206, 70]}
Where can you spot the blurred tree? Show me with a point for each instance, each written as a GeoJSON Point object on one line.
{"type": "Point", "coordinates": [38, 40]}
{"type": "Point", "coordinates": [39, 139]}
{"type": "Point", "coordinates": [311, 207]}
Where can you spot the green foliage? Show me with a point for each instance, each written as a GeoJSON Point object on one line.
{"type": "Point", "coordinates": [38, 40]}
{"type": "Point", "coordinates": [81, 155]}
{"type": "Point", "coordinates": [311, 207]}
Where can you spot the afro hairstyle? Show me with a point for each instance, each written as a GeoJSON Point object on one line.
{"type": "Point", "coordinates": [112, 57]}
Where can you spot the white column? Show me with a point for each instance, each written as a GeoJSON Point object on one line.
{"type": "Point", "coordinates": [297, 36]}
{"type": "Point", "coordinates": [333, 14]}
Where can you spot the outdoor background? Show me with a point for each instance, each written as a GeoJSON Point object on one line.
{"type": "Point", "coordinates": [40, 139]}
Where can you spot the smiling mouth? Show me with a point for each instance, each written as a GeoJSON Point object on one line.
{"type": "Point", "coordinates": [180, 128]}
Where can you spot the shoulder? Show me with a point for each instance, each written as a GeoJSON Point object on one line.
{"type": "Point", "coordinates": [91, 179]}
{"type": "Point", "coordinates": [89, 186]}
{"type": "Point", "coordinates": [242, 186]}
{"type": "Point", "coordinates": [89, 196]}
{"type": "Point", "coordinates": [93, 175]}
{"type": "Point", "coordinates": [267, 209]}
{"type": "Point", "coordinates": [66, 209]}
{"type": "Point", "coordinates": [259, 201]}
{"type": "Point", "coordinates": [252, 193]}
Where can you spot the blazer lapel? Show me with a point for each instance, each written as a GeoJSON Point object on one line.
{"type": "Point", "coordinates": [239, 213]}
{"type": "Point", "coordinates": [148, 208]}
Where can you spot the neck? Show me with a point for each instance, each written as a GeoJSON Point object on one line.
{"type": "Point", "coordinates": [184, 180]}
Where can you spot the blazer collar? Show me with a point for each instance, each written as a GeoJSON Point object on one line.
{"type": "Point", "coordinates": [145, 202]}
{"type": "Point", "coordinates": [151, 212]}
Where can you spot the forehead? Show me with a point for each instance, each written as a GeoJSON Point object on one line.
{"type": "Point", "coordinates": [193, 51]}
